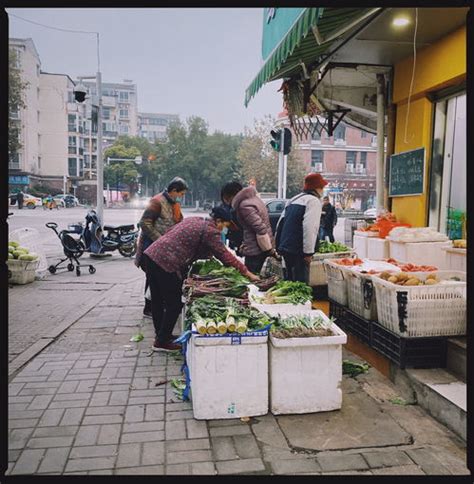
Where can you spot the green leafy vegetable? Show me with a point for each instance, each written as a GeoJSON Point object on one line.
{"type": "Point", "coordinates": [353, 368]}
{"type": "Point", "coordinates": [288, 292]}
{"type": "Point", "coordinates": [137, 337]}
{"type": "Point", "coordinates": [326, 247]}
{"type": "Point", "coordinates": [300, 326]}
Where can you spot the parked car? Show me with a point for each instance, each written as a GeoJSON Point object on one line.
{"type": "Point", "coordinates": [370, 212]}
{"type": "Point", "coordinates": [275, 208]}
{"type": "Point", "coordinates": [29, 201]}
{"type": "Point", "coordinates": [140, 202]}
{"type": "Point", "coordinates": [66, 200]}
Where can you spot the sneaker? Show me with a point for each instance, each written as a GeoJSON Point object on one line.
{"type": "Point", "coordinates": [157, 346]}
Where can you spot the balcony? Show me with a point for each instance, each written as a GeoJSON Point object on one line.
{"type": "Point", "coordinates": [360, 169]}
{"type": "Point", "coordinates": [349, 168]}
{"type": "Point", "coordinates": [14, 165]}
{"type": "Point", "coordinates": [72, 150]}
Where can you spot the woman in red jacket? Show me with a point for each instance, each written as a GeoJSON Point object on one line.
{"type": "Point", "coordinates": [168, 259]}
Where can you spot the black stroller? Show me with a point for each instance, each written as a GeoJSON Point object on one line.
{"type": "Point", "coordinates": [73, 249]}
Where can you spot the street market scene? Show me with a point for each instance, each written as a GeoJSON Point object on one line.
{"type": "Point", "coordinates": [264, 272]}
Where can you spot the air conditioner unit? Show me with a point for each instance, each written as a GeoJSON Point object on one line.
{"type": "Point", "coordinates": [318, 167]}
{"type": "Point", "coordinates": [349, 168]}
{"type": "Point", "coordinates": [360, 168]}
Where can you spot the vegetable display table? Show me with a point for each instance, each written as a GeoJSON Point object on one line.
{"type": "Point", "coordinates": [228, 375]}
{"type": "Point", "coordinates": [306, 372]}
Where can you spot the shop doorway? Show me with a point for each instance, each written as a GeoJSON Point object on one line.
{"type": "Point", "coordinates": [447, 208]}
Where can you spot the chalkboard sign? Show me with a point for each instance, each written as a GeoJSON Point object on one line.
{"type": "Point", "coordinates": [407, 173]}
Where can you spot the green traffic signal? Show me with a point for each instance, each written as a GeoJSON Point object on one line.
{"type": "Point", "coordinates": [276, 141]}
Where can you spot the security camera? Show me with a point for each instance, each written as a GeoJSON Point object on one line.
{"type": "Point", "coordinates": [80, 92]}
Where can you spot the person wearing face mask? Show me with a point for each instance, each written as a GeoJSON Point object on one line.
{"type": "Point", "coordinates": [167, 261]}
{"type": "Point", "coordinates": [162, 212]}
{"type": "Point", "coordinates": [298, 227]}
{"type": "Point", "coordinates": [234, 234]}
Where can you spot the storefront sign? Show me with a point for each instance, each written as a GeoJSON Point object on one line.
{"type": "Point", "coordinates": [407, 173]}
{"type": "Point", "coordinates": [276, 24]}
{"type": "Point", "coordinates": [18, 180]}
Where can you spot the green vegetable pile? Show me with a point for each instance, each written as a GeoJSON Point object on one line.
{"type": "Point", "coordinates": [330, 247]}
{"type": "Point", "coordinates": [300, 326]}
{"type": "Point", "coordinates": [287, 292]}
{"type": "Point", "coordinates": [212, 315]}
{"type": "Point", "coordinates": [203, 267]}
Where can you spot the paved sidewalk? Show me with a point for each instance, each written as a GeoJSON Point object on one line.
{"type": "Point", "coordinates": [94, 403]}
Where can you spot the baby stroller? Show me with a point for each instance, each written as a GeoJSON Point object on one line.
{"type": "Point", "coordinates": [73, 249]}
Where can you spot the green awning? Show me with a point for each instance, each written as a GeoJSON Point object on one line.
{"type": "Point", "coordinates": [297, 46]}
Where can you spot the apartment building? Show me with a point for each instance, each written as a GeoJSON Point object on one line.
{"type": "Point", "coordinates": [347, 160]}
{"type": "Point", "coordinates": [26, 161]}
{"type": "Point", "coordinates": [153, 126]}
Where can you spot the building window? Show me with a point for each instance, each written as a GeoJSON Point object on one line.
{"type": "Point", "coordinates": [71, 122]}
{"type": "Point", "coordinates": [363, 134]}
{"type": "Point", "coordinates": [350, 157]}
{"type": "Point", "coordinates": [39, 161]}
{"type": "Point", "coordinates": [363, 158]}
{"type": "Point", "coordinates": [317, 160]}
{"type": "Point", "coordinates": [340, 132]}
{"type": "Point", "coordinates": [123, 129]}
{"type": "Point", "coordinates": [70, 97]}
{"type": "Point", "coordinates": [124, 113]}
{"type": "Point", "coordinates": [81, 168]}
{"type": "Point", "coordinates": [106, 113]}
{"type": "Point", "coordinates": [72, 166]}
{"type": "Point", "coordinates": [123, 96]}
{"type": "Point", "coordinates": [315, 135]}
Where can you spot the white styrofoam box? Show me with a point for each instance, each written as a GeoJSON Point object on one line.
{"type": "Point", "coordinates": [275, 309]}
{"type": "Point", "coordinates": [456, 259]}
{"type": "Point", "coordinates": [377, 248]}
{"type": "Point", "coordinates": [422, 253]}
{"type": "Point", "coordinates": [317, 273]}
{"type": "Point", "coordinates": [366, 233]}
{"type": "Point", "coordinates": [229, 375]}
{"type": "Point", "coordinates": [360, 246]}
{"type": "Point", "coordinates": [438, 310]}
{"type": "Point", "coordinates": [306, 373]}
{"type": "Point", "coordinates": [361, 295]}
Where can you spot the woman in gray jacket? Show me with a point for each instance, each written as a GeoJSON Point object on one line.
{"type": "Point", "coordinates": [252, 216]}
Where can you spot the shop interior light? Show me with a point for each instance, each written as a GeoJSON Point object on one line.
{"type": "Point", "coordinates": [400, 21]}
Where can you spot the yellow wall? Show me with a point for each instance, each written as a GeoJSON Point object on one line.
{"type": "Point", "coordinates": [438, 66]}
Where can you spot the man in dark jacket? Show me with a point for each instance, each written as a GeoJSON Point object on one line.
{"type": "Point", "coordinates": [328, 220]}
{"type": "Point", "coordinates": [19, 198]}
{"type": "Point", "coordinates": [234, 234]}
{"type": "Point", "coordinates": [297, 229]}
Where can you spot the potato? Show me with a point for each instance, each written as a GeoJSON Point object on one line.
{"type": "Point", "coordinates": [403, 276]}
{"type": "Point", "coordinates": [412, 282]}
{"type": "Point", "coordinates": [431, 276]}
{"type": "Point", "coordinates": [385, 275]}
{"type": "Point", "coordinates": [393, 279]}
{"type": "Point", "coordinates": [431, 282]}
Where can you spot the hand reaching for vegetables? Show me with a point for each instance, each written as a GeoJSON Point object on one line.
{"type": "Point", "coordinates": [252, 277]}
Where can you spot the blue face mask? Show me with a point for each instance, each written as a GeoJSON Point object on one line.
{"type": "Point", "coordinates": [178, 199]}
{"type": "Point", "coordinates": [224, 231]}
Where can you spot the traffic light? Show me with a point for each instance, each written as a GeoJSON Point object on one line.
{"type": "Point", "coordinates": [287, 142]}
{"type": "Point", "coordinates": [276, 141]}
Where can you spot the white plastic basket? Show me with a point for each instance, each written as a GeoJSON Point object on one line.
{"type": "Point", "coordinates": [363, 233]}
{"type": "Point", "coordinates": [337, 284]}
{"type": "Point", "coordinates": [414, 311]}
{"type": "Point", "coordinates": [361, 295]}
{"type": "Point", "coordinates": [22, 271]}
{"type": "Point", "coordinates": [317, 274]}
{"type": "Point", "coordinates": [378, 248]}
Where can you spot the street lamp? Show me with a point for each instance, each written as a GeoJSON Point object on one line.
{"type": "Point", "coordinates": [80, 97]}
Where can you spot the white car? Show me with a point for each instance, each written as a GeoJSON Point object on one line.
{"type": "Point", "coordinates": [29, 201]}
{"type": "Point", "coordinates": [371, 212]}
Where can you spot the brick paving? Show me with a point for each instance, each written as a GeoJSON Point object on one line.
{"type": "Point", "coordinates": [93, 403]}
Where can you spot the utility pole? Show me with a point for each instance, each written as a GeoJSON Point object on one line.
{"type": "Point", "coordinates": [100, 161]}
{"type": "Point", "coordinates": [379, 185]}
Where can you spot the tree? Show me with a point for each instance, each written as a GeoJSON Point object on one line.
{"type": "Point", "coordinates": [259, 161]}
{"type": "Point", "coordinates": [16, 90]}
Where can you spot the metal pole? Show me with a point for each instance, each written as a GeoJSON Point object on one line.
{"type": "Point", "coordinates": [100, 164]}
{"type": "Point", "coordinates": [379, 186]}
{"type": "Point", "coordinates": [64, 184]}
{"type": "Point", "coordinates": [280, 165]}
{"type": "Point", "coordinates": [285, 170]}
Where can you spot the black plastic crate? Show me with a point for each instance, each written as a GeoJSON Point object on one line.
{"type": "Point", "coordinates": [419, 352]}
{"type": "Point", "coordinates": [358, 326]}
{"type": "Point", "coordinates": [337, 311]}
{"type": "Point", "coordinates": [320, 292]}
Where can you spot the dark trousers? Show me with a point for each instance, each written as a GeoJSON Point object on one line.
{"type": "Point", "coordinates": [254, 263]}
{"type": "Point", "coordinates": [326, 232]}
{"type": "Point", "coordinates": [166, 302]}
{"type": "Point", "coordinates": [296, 268]}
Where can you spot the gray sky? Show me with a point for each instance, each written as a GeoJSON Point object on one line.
{"type": "Point", "coordinates": [187, 61]}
